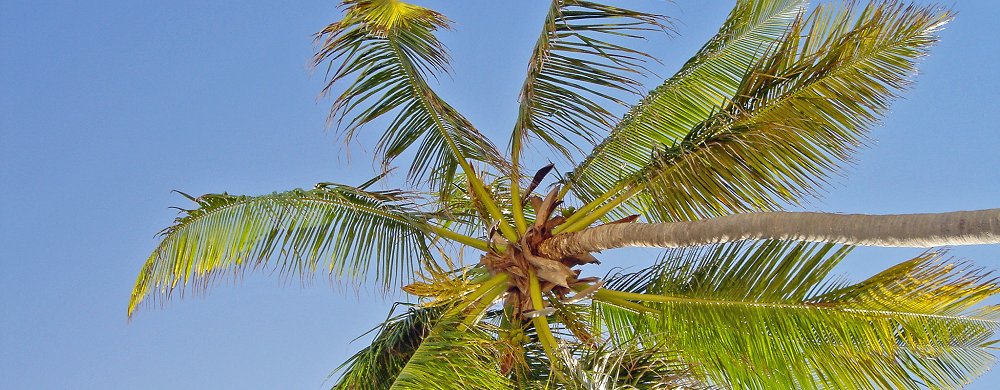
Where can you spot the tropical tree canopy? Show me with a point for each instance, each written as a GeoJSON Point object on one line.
{"type": "Point", "coordinates": [707, 165]}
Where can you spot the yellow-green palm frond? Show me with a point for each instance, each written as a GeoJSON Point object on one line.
{"type": "Point", "coordinates": [575, 70]}
{"type": "Point", "coordinates": [767, 315]}
{"type": "Point", "coordinates": [386, 15]}
{"type": "Point", "coordinates": [463, 203]}
{"type": "Point", "coordinates": [439, 286]}
{"type": "Point", "coordinates": [345, 231]}
{"type": "Point", "coordinates": [706, 81]}
{"type": "Point", "coordinates": [384, 51]}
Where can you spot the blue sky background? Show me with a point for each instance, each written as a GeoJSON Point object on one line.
{"type": "Point", "coordinates": [107, 106]}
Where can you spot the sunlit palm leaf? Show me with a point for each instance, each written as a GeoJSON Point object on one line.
{"type": "Point", "coordinates": [768, 316]}
{"type": "Point", "coordinates": [376, 366]}
{"type": "Point", "coordinates": [707, 81]}
{"type": "Point", "coordinates": [345, 231]}
{"type": "Point", "coordinates": [575, 69]}
{"type": "Point", "coordinates": [389, 48]}
{"type": "Point", "coordinates": [797, 116]}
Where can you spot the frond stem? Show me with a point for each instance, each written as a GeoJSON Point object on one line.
{"type": "Point", "coordinates": [521, 125]}
{"type": "Point", "coordinates": [801, 306]}
{"type": "Point", "coordinates": [597, 208]}
{"type": "Point", "coordinates": [549, 343]}
{"type": "Point", "coordinates": [515, 185]}
{"type": "Point", "coordinates": [485, 295]}
{"type": "Point", "coordinates": [476, 184]}
{"type": "Point", "coordinates": [460, 238]}
{"type": "Point", "coordinates": [602, 296]}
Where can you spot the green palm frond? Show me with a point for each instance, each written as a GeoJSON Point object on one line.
{"type": "Point", "coordinates": [345, 231]}
{"type": "Point", "coordinates": [707, 81]}
{"type": "Point", "coordinates": [455, 355]}
{"type": "Point", "coordinates": [768, 316]}
{"type": "Point", "coordinates": [390, 49]}
{"type": "Point", "coordinates": [575, 69]}
{"type": "Point", "coordinates": [376, 366]}
{"type": "Point", "coordinates": [797, 116]}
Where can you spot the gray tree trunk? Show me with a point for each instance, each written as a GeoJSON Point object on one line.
{"type": "Point", "coordinates": [904, 230]}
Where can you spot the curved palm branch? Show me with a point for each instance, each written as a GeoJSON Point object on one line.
{"type": "Point", "coordinates": [391, 49]}
{"type": "Point", "coordinates": [575, 68]}
{"type": "Point", "coordinates": [583, 359]}
{"type": "Point", "coordinates": [346, 230]}
{"type": "Point", "coordinates": [767, 315]}
{"type": "Point", "coordinates": [707, 81]}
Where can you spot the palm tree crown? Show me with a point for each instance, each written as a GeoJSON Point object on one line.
{"type": "Point", "coordinates": [704, 164]}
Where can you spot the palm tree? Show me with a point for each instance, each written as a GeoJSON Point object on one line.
{"type": "Point", "coordinates": [704, 164]}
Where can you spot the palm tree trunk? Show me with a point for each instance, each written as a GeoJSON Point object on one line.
{"type": "Point", "coordinates": [904, 230]}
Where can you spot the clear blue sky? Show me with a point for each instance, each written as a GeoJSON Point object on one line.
{"type": "Point", "coordinates": [107, 106]}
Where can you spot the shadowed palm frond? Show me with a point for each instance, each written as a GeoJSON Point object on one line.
{"type": "Point", "coordinates": [455, 355]}
{"type": "Point", "coordinates": [707, 81]}
{"type": "Point", "coordinates": [767, 315]}
{"type": "Point", "coordinates": [626, 366]}
{"type": "Point", "coordinates": [381, 364]}
{"type": "Point", "coordinates": [587, 363]}
{"type": "Point", "coordinates": [574, 70]}
{"type": "Point", "coordinates": [390, 49]}
{"type": "Point", "coordinates": [345, 231]}
{"type": "Point", "coordinates": [376, 366]}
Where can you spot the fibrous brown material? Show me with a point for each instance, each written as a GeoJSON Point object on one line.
{"type": "Point", "coordinates": [520, 258]}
